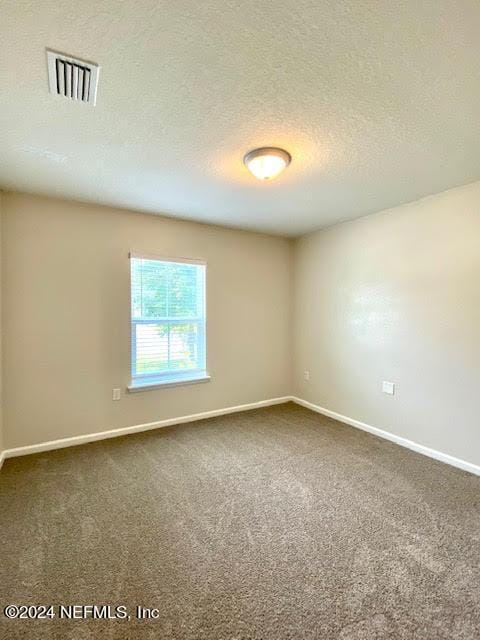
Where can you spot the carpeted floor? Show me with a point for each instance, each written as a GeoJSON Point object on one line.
{"type": "Point", "coordinates": [271, 524]}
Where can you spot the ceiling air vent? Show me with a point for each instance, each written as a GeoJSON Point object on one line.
{"type": "Point", "coordinates": [72, 78]}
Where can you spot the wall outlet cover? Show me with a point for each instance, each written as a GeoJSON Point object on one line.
{"type": "Point", "coordinates": [388, 387]}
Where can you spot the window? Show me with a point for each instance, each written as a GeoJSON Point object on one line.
{"type": "Point", "coordinates": [168, 321]}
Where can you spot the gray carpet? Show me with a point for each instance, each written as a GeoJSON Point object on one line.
{"type": "Point", "coordinates": [271, 524]}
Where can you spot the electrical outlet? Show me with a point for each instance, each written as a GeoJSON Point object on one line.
{"type": "Point", "coordinates": [306, 376]}
{"type": "Point", "coordinates": [388, 387]}
{"type": "Point", "coordinates": [115, 394]}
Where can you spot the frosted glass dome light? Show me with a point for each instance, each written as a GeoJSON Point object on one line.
{"type": "Point", "coordinates": [267, 163]}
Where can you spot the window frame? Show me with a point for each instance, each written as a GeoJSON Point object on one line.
{"type": "Point", "coordinates": [146, 381]}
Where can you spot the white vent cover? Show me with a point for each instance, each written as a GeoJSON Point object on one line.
{"type": "Point", "coordinates": [72, 78]}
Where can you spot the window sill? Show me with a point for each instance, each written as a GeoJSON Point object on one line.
{"type": "Point", "coordinates": [149, 385]}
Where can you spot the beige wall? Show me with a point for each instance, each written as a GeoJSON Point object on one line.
{"type": "Point", "coordinates": [2, 447]}
{"type": "Point", "coordinates": [66, 317]}
{"type": "Point", "coordinates": [396, 296]}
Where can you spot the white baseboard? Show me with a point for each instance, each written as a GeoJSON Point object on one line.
{"type": "Point", "coordinates": [403, 442]}
{"type": "Point", "coordinates": [124, 431]}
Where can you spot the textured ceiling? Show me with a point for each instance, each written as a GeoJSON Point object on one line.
{"type": "Point", "coordinates": [377, 101]}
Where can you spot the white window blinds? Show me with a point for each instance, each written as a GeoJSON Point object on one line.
{"type": "Point", "coordinates": [168, 320]}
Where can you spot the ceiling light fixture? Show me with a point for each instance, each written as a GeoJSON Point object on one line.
{"type": "Point", "coordinates": [267, 163]}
